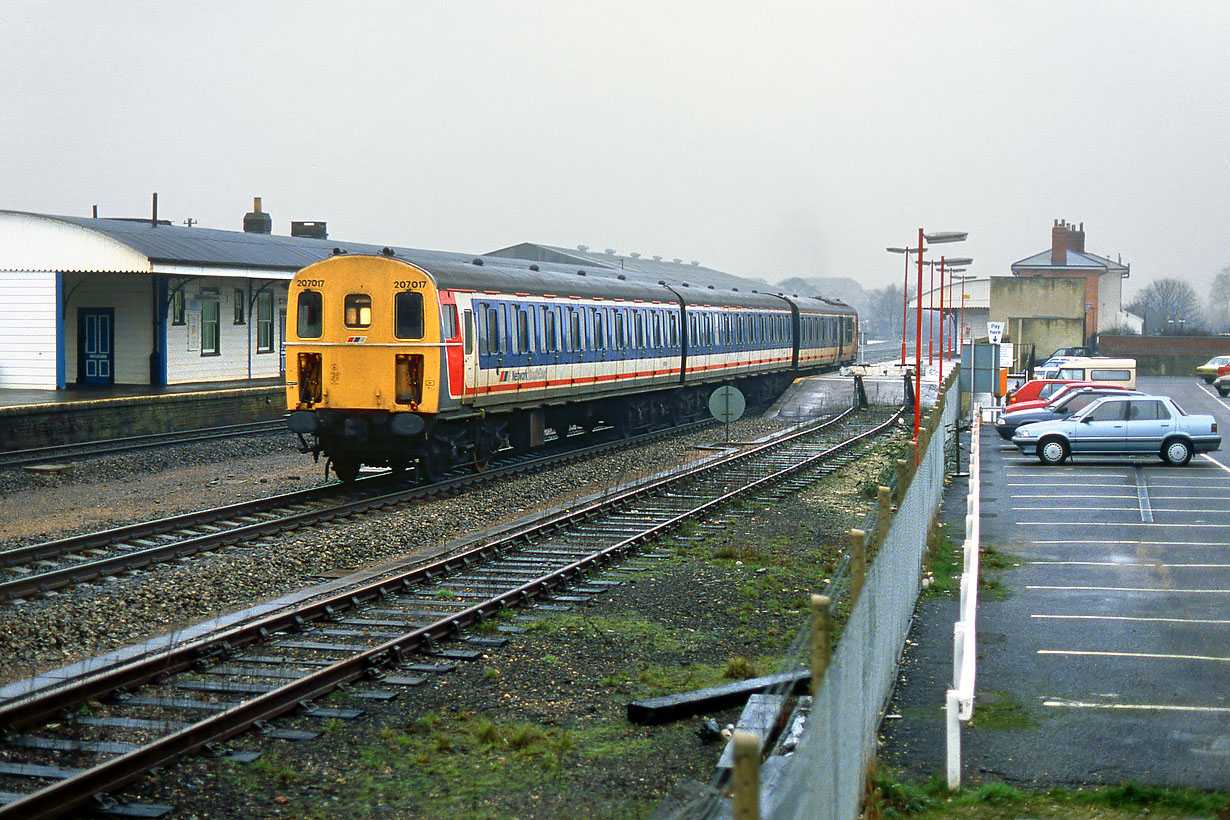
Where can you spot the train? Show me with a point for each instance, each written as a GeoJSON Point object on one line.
{"type": "Point", "coordinates": [428, 361]}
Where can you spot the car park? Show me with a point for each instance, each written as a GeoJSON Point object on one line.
{"type": "Point", "coordinates": [1208, 370]}
{"type": "Point", "coordinates": [1060, 407]}
{"type": "Point", "coordinates": [1130, 425]}
{"type": "Point", "coordinates": [1056, 390]}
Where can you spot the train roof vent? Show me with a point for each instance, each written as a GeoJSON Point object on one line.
{"type": "Point", "coordinates": [635, 255]}
{"type": "Point", "coordinates": [387, 251]}
{"type": "Point", "coordinates": [533, 267]}
{"type": "Point", "coordinates": [582, 248]}
{"type": "Point", "coordinates": [696, 263]}
{"type": "Point", "coordinates": [476, 261]}
{"type": "Point", "coordinates": [580, 273]}
{"type": "Point", "coordinates": [677, 260]}
{"type": "Point", "coordinates": [657, 258]}
{"type": "Point", "coordinates": [621, 277]}
{"type": "Point", "coordinates": [661, 281]}
{"type": "Point", "coordinates": [339, 252]}
{"type": "Point", "coordinates": [711, 287]}
{"type": "Point", "coordinates": [609, 251]}
{"type": "Point", "coordinates": [736, 290]}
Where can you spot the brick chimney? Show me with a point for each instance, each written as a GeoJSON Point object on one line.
{"type": "Point", "coordinates": [1076, 238]}
{"type": "Point", "coordinates": [1059, 243]}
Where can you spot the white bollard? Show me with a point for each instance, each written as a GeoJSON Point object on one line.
{"type": "Point", "coordinates": [954, 741]}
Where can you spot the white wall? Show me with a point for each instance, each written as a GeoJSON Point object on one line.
{"type": "Point", "coordinates": [131, 296]}
{"type": "Point", "coordinates": [1110, 301]}
{"type": "Point", "coordinates": [185, 363]}
{"type": "Point", "coordinates": [28, 330]}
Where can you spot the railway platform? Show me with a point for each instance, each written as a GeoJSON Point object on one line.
{"type": "Point", "coordinates": [45, 418]}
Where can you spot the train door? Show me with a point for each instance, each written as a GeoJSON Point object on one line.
{"type": "Point", "coordinates": [96, 345]}
{"type": "Point", "coordinates": [469, 350]}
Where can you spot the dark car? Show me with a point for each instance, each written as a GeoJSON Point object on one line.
{"type": "Point", "coordinates": [1062, 407]}
{"type": "Point", "coordinates": [1122, 425]}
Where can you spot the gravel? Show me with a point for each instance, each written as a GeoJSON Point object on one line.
{"type": "Point", "coordinates": [534, 729]}
{"type": "Point", "coordinates": [39, 634]}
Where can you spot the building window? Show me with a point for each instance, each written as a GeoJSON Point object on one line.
{"type": "Point", "coordinates": [240, 304]}
{"type": "Point", "coordinates": [264, 323]}
{"type": "Point", "coordinates": [209, 328]}
{"type": "Point", "coordinates": [177, 308]}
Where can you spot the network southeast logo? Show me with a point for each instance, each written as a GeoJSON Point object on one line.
{"type": "Point", "coordinates": [355, 340]}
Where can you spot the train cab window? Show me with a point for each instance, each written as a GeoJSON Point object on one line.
{"type": "Point", "coordinates": [448, 319]}
{"type": "Point", "coordinates": [468, 319]}
{"type": "Point", "coordinates": [407, 315]}
{"type": "Point", "coordinates": [311, 314]}
{"type": "Point", "coordinates": [358, 310]}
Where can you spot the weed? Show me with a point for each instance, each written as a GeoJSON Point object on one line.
{"type": "Point", "coordinates": [739, 668]}
{"type": "Point", "coordinates": [1001, 710]}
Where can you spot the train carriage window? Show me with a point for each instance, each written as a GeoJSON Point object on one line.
{"type": "Point", "coordinates": [408, 316]}
{"type": "Point", "coordinates": [448, 318]}
{"type": "Point", "coordinates": [674, 331]}
{"type": "Point", "coordinates": [599, 335]}
{"type": "Point", "coordinates": [621, 332]}
{"type": "Point", "coordinates": [550, 341]}
{"type": "Point", "coordinates": [574, 329]}
{"type": "Point", "coordinates": [640, 330]}
{"type": "Point", "coordinates": [657, 330]}
{"type": "Point", "coordinates": [468, 318]}
{"type": "Point", "coordinates": [708, 330]}
{"type": "Point", "coordinates": [523, 331]}
{"type": "Point", "coordinates": [310, 315]}
{"type": "Point", "coordinates": [491, 344]}
{"type": "Point", "coordinates": [358, 310]}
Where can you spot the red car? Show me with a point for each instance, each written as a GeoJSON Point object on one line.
{"type": "Point", "coordinates": [1049, 391]}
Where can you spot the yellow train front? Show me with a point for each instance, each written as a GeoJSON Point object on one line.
{"type": "Point", "coordinates": [366, 355]}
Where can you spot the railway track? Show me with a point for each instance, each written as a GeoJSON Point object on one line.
{"type": "Point", "coordinates": [92, 449]}
{"type": "Point", "coordinates": [42, 568]}
{"type": "Point", "coordinates": [76, 736]}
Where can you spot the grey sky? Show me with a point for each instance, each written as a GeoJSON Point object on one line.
{"type": "Point", "coordinates": [769, 139]}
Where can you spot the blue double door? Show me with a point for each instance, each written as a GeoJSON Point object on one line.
{"type": "Point", "coordinates": [96, 345]}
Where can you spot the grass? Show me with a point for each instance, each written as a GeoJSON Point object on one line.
{"type": "Point", "coordinates": [890, 797]}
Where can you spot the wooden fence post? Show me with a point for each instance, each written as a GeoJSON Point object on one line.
{"type": "Point", "coordinates": [821, 631]}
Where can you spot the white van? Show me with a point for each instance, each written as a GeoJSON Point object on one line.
{"type": "Point", "coordinates": [1091, 369]}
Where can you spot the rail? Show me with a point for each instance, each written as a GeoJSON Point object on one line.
{"type": "Point", "coordinates": [959, 703]}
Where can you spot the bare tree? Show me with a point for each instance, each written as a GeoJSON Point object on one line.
{"type": "Point", "coordinates": [1170, 307]}
{"type": "Point", "coordinates": [1219, 301]}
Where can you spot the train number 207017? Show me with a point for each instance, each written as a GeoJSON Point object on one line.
{"type": "Point", "coordinates": [406, 283]}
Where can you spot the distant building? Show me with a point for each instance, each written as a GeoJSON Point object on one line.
{"type": "Point", "coordinates": [1102, 278]}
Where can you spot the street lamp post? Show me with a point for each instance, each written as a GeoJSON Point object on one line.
{"type": "Point", "coordinates": [951, 263]}
{"type": "Point", "coordinates": [905, 295]}
{"type": "Point", "coordinates": [948, 236]}
{"type": "Point", "coordinates": [952, 336]}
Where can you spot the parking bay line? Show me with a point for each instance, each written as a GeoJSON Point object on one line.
{"type": "Point", "coordinates": [1116, 564]}
{"type": "Point", "coordinates": [1119, 541]}
{"type": "Point", "coordinates": [1105, 524]}
{"type": "Point", "coordinates": [1139, 655]}
{"type": "Point", "coordinates": [1136, 619]}
{"type": "Point", "coordinates": [1144, 707]}
{"type": "Point", "coordinates": [1142, 504]}
{"type": "Point", "coordinates": [1056, 588]}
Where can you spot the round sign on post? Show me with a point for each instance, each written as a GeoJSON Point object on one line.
{"type": "Point", "coordinates": [727, 404]}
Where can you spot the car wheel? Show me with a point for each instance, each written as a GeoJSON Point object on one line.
{"type": "Point", "coordinates": [1176, 452]}
{"type": "Point", "coordinates": [1223, 390]}
{"type": "Point", "coordinates": [1208, 379]}
{"type": "Point", "coordinates": [1052, 451]}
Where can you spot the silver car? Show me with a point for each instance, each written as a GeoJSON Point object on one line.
{"type": "Point", "coordinates": [1122, 425]}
